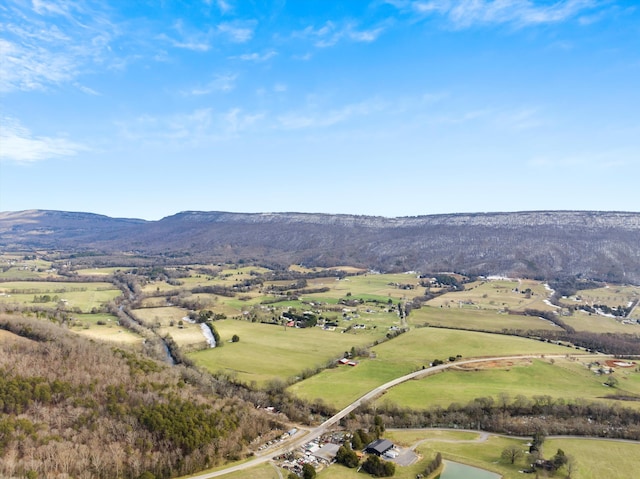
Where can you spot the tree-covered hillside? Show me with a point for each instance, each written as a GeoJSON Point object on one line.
{"type": "Point", "coordinates": [71, 407]}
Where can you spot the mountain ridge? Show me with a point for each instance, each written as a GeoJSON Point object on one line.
{"type": "Point", "coordinates": [596, 244]}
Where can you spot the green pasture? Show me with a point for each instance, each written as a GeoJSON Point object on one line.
{"type": "Point", "coordinates": [410, 352]}
{"type": "Point", "coordinates": [468, 317]}
{"type": "Point", "coordinates": [381, 286]}
{"type": "Point", "coordinates": [583, 321]}
{"type": "Point", "coordinates": [267, 352]}
{"type": "Point", "coordinates": [87, 325]}
{"type": "Point", "coordinates": [497, 295]}
{"type": "Point", "coordinates": [84, 296]}
{"type": "Point", "coordinates": [594, 458]}
{"type": "Point", "coordinates": [562, 379]}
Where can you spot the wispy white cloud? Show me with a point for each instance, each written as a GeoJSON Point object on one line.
{"type": "Point", "coordinates": [317, 118]}
{"type": "Point", "coordinates": [190, 38]}
{"type": "Point", "coordinates": [86, 89]}
{"type": "Point", "coordinates": [467, 13]}
{"type": "Point", "coordinates": [20, 145]}
{"type": "Point", "coordinates": [331, 33]}
{"type": "Point", "coordinates": [223, 5]}
{"type": "Point", "coordinates": [220, 83]}
{"type": "Point", "coordinates": [38, 52]}
{"type": "Point", "coordinates": [256, 57]}
{"type": "Point", "coordinates": [196, 128]}
{"type": "Point", "coordinates": [237, 32]}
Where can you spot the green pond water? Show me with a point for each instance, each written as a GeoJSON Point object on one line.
{"type": "Point", "coordinates": [455, 470]}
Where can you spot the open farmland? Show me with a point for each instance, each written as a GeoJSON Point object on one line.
{"type": "Point", "coordinates": [24, 267]}
{"type": "Point", "coordinates": [103, 327]}
{"type": "Point", "coordinates": [410, 352]}
{"type": "Point", "coordinates": [479, 319]}
{"type": "Point", "coordinates": [611, 295]}
{"type": "Point", "coordinates": [597, 323]}
{"type": "Point", "coordinates": [497, 295]}
{"type": "Point", "coordinates": [267, 352]}
{"type": "Point", "coordinates": [558, 379]}
{"type": "Point", "coordinates": [74, 296]}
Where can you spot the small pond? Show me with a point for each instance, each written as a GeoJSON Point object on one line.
{"type": "Point", "coordinates": [455, 470]}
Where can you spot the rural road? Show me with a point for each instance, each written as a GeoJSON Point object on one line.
{"type": "Point", "coordinates": [318, 431]}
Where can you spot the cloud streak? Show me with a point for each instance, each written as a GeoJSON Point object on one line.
{"type": "Point", "coordinates": [19, 145]}
{"type": "Point", "coordinates": [191, 129]}
{"type": "Point", "coordinates": [521, 13]}
{"type": "Point", "coordinates": [38, 54]}
{"type": "Point", "coordinates": [331, 33]}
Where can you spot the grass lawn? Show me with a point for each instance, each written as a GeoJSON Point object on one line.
{"type": "Point", "coordinates": [409, 352]}
{"type": "Point", "coordinates": [265, 352]}
{"type": "Point", "coordinates": [563, 379]}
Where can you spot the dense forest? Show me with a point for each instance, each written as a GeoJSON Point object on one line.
{"type": "Point", "coordinates": [76, 408]}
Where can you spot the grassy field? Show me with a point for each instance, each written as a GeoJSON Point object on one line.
{"type": "Point", "coordinates": [87, 325]}
{"type": "Point", "coordinates": [100, 271]}
{"type": "Point", "coordinates": [265, 352]}
{"type": "Point", "coordinates": [15, 266]}
{"type": "Point", "coordinates": [466, 317]}
{"type": "Point", "coordinates": [611, 295]}
{"type": "Point", "coordinates": [409, 352]}
{"type": "Point", "coordinates": [583, 321]}
{"type": "Point", "coordinates": [562, 379]}
{"type": "Point", "coordinates": [594, 458]}
{"type": "Point", "coordinates": [84, 296]}
{"type": "Point", "coordinates": [498, 295]}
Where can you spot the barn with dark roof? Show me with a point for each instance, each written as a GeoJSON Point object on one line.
{"type": "Point", "coordinates": [379, 447]}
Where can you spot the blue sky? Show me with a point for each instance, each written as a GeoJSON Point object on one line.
{"type": "Point", "coordinates": [393, 108]}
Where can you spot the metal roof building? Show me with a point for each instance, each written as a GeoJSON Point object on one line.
{"type": "Point", "coordinates": [379, 447]}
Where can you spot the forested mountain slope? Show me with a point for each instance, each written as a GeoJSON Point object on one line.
{"type": "Point", "coordinates": [543, 244]}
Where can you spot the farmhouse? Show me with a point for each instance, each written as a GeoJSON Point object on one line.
{"type": "Point", "coordinates": [379, 447]}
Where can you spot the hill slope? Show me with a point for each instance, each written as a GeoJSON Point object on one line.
{"type": "Point", "coordinates": [545, 244]}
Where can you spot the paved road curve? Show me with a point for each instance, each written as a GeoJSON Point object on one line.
{"type": "Point", "coordinates": [296, 442]}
